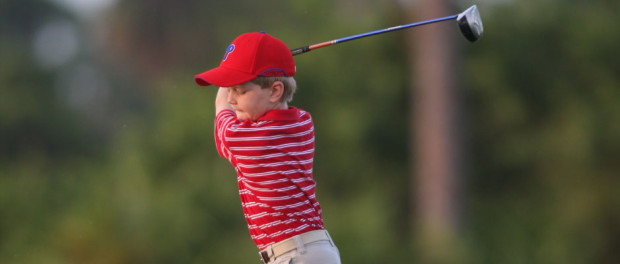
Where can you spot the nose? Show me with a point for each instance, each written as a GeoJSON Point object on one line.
{"type": "Point", "coordinates": [231, 98]}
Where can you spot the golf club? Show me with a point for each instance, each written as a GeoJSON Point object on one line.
{"type": "Point", "coordinates": [469, 22]}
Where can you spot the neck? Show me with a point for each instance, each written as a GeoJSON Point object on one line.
{"type": "Point", "coordinates": [280, 106]}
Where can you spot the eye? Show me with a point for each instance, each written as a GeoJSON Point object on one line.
{"type": "Point", "coordinates": [237, 90]}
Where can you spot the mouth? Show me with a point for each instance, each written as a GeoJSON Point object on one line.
{"type": "Point", "coordinates": [239, 113]}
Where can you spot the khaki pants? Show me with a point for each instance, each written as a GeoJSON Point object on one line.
{"type": "Point", "coordinates": [318, 252]}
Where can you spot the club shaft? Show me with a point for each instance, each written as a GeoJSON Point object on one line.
{"type": "Point", "coordinates": [371, 33]}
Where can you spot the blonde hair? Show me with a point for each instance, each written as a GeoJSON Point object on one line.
{"type": "Point", "coordinates": [289, 85]}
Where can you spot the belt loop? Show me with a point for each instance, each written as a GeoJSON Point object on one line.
{"type": "Point", "coordinates": [267, 254]}
{"type": "Point", "coordinates": [300, 244]}
{"type": "Point", "coordinates": [330, 238]}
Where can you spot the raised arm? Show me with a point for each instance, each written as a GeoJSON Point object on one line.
{"type": "Point", "coordinates": [221, 100]}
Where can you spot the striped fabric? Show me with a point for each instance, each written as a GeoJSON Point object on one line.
{"type": "Point", "coordinates": [273, 159]}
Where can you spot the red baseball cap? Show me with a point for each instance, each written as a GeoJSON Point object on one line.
{"type": "Point", "coordinates": [250, 55]}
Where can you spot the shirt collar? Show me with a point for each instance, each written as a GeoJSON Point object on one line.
{"type": "Point", "coordinates": [290, 114]}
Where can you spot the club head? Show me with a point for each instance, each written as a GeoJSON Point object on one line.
{"type": "Point", "coordinates": [470, 23]}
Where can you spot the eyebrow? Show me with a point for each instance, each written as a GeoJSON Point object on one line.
{"type": "Point", "coordinates": [237, 87]}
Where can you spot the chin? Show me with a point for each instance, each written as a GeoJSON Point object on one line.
{"type": "Point", "coordinates": [241, 117]}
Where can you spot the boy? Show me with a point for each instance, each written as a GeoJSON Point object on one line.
{"type": "Point", "coordinates": [271, 146]}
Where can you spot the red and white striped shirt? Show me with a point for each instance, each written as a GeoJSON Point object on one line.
{"type": "Point", "coordinates": [273, 158]}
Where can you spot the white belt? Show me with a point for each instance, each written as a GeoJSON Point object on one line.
{"type": "Point", "coordinates": [289, 244]}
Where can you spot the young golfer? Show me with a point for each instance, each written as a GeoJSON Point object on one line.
{"type": "Point", "coordinates": [271, 146]}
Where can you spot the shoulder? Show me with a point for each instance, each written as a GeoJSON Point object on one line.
{"type": "Point", "coordinates": [301, 113]}
{"type": "Point", "coordinates": [225, 113]}
{"type": "Point", "coordinates": [226, 119]}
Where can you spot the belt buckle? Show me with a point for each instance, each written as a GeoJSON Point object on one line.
{"type": "Point", "coordinates": [264, 256]}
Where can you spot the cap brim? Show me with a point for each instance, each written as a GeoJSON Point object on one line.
{"type": "Point", "coordinates": [222, 77]}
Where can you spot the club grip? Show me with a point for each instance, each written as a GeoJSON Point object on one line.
{"type": "Point", "coordinates": [301, 50]}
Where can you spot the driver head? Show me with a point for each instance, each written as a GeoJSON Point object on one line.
{"type": "Point", "coordinates": [470, 23]}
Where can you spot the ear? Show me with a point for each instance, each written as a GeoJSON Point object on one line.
{"type": "Point", "coordinates": [277, 90]}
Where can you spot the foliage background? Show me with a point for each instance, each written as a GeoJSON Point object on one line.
{"type": "Point", "coordinates": [107, 156]}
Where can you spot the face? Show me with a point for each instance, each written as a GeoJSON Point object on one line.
{"type": "Point", "coordinates": [249, 100]}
